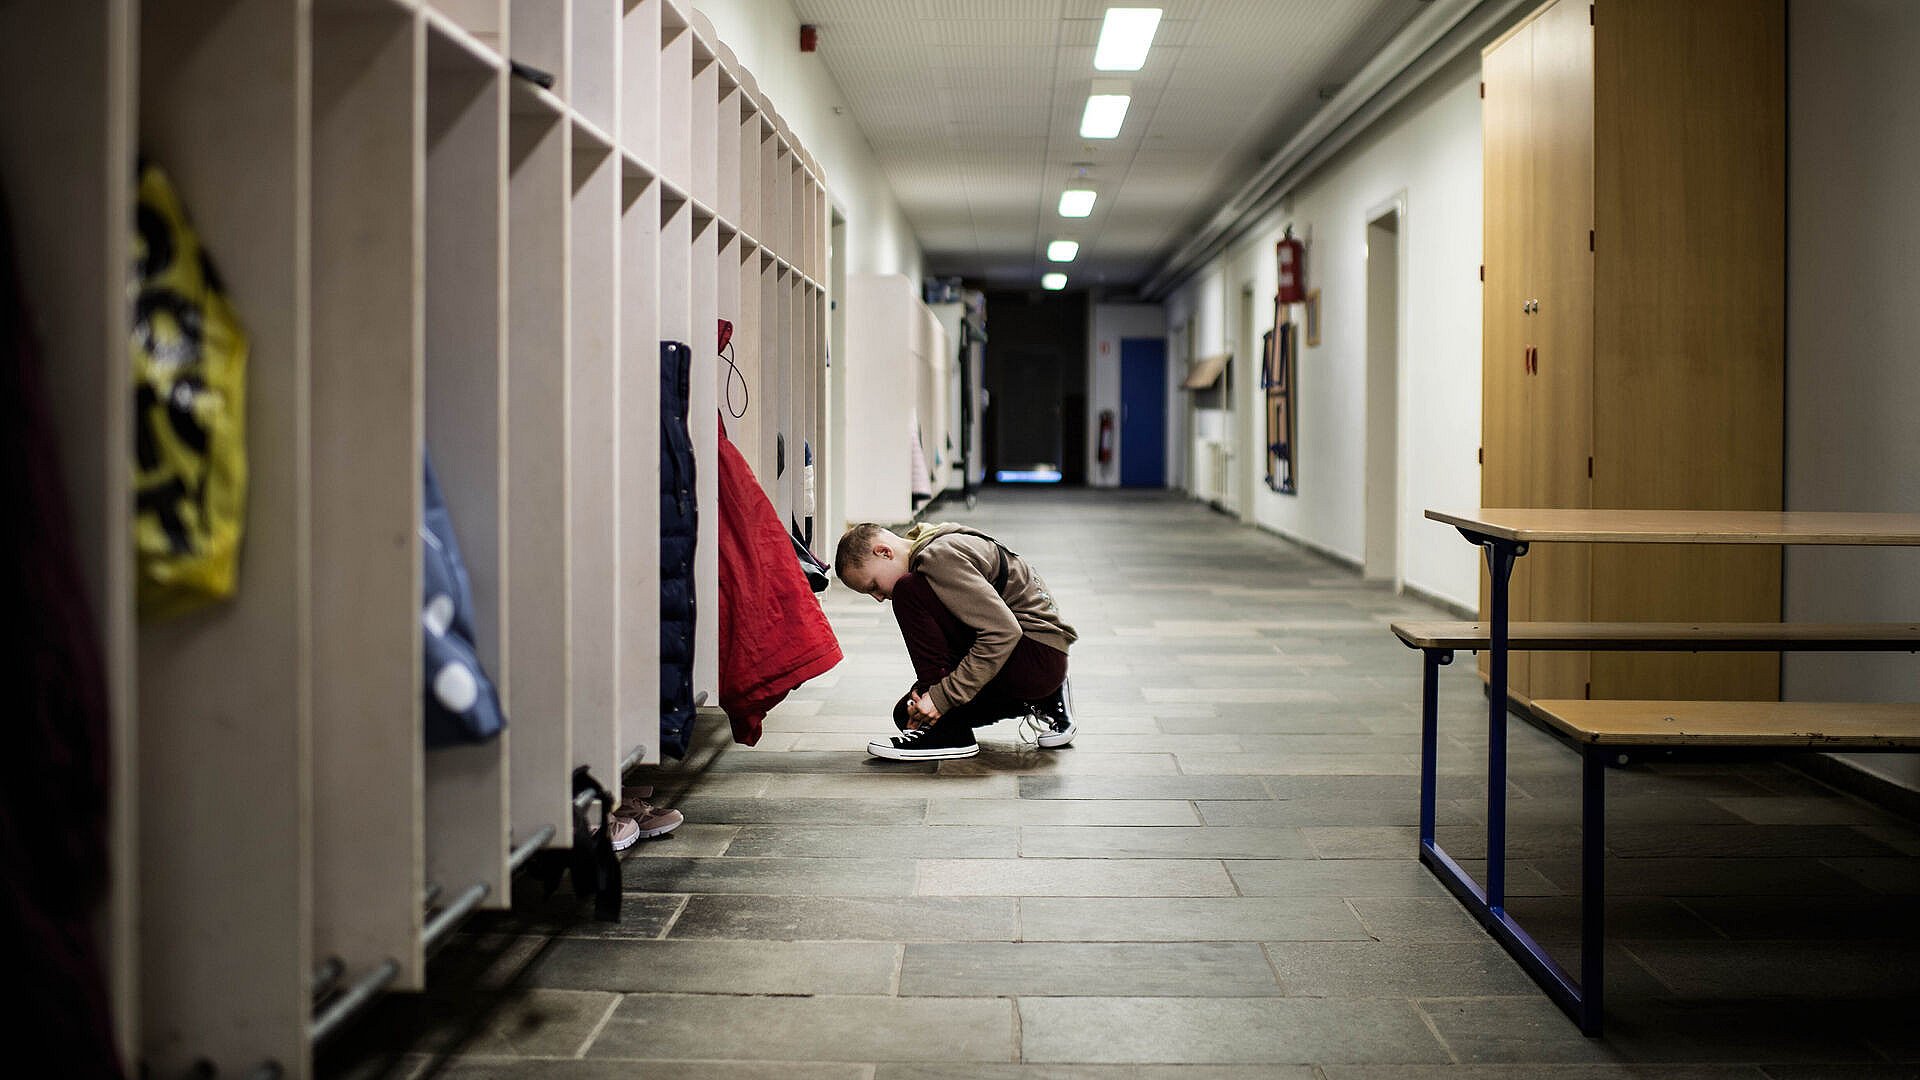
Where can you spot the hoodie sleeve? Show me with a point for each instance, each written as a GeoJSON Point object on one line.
{"type": "Point", "coordinates": [962, 586]}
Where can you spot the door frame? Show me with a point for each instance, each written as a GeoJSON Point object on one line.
{"type": "Point", "coordinates": [1396, 206]}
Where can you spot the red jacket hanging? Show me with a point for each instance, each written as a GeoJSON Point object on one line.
{"type": "Point", "coordinates": [773, 635]}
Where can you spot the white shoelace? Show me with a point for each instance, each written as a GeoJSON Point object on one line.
{"type": "Point", "coordinates": [1032, 726]}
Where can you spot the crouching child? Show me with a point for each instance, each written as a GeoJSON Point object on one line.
{"type": "Point", "coordinates": [985, 636]}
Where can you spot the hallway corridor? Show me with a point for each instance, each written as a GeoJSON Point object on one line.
{"type": "Point", "coordinates": [1218, 874]}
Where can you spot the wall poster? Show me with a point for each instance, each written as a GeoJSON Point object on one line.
{"type": "Point", "coordinates": [1277, 378]}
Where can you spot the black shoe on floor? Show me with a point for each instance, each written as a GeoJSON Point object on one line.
{"type": "Point", "coordinates": [1055, 715]}
{"type": "Point", "coordinates": [936, 743]}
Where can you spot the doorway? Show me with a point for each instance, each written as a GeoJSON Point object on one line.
{"type": "Point", "coordinates": [1383, 473]}
{"type": "Point", "coordinates": [1143, 412]}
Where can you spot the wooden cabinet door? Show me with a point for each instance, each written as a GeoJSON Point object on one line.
{"type": "Point", "coordinates": [1508, 163]}
{"type": "Point", "coordinates": [1560, 327]}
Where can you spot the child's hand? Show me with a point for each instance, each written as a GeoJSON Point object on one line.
{"type": "Point", "coordinates": [920, 707]}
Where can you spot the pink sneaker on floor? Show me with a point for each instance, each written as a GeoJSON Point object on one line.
{"type": "Point", "coordinates": [624, 832]}
{"type": "Point", "coordinates": [648, 819]}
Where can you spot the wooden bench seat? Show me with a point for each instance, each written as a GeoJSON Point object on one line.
{"type": "Point", "coordinates": [1810, 725]}
{"type": "Point", "coordinates": [1667, 637]}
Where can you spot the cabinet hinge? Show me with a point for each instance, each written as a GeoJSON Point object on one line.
{"type": "Point", "coordinates": [1589, 691]}
{"type": "Point", "coordinates": [1589, 468]}
{"type": "Point", "coordinates": [1480, 455]}
{"type": "Point", "coordinates": [1483, 89]}
{"type": "Point", "coordinates": [1483, 271]}
{"type": "Point", "coordinates": [1589, 239]}
{"type": "Point", "coordinates": [1590, 21]}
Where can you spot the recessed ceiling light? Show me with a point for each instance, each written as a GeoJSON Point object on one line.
{"type": "Point", "coordinates": [1125, 36]}
{"type": "Point", "coordinates": [1104, 116]}
{"type": "Point", "coordinates": [1063, 250]}
{"type": "Point", "coordinates": [1053, 282]}
{"type": "Point", "coordinates": [1076, 202]}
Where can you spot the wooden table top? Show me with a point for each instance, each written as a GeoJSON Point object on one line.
{"type": "Point", "coordinates": [1688, 526]}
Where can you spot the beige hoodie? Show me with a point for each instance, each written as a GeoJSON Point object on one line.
{"type": "Point", "coordinates": [961, 565]}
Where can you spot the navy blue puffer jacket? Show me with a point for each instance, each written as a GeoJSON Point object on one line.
{"type": "Point", "coordinates": [679, 531]}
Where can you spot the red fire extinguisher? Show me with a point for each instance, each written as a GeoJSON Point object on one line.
{"type": "Point", "coordinates": [1292, 255]}
{"type": "Point", "coordinates": [1106, 436]}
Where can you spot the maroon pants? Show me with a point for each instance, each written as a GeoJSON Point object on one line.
{"type": "Point", "coordinates": [937, 639]}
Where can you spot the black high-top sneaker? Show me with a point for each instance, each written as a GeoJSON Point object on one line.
{"type": "Point", "coordinates": [937, 742]}
{"type": "Point", "coordinates": [1055, 715]}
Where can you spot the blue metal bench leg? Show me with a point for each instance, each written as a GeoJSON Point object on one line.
{"type": "Point", "coordinates": [1500, 558]}
{"type": "Point", "coordinates": [1593, 891]}
{"type": "Point", "coordinates": [1430, 736]}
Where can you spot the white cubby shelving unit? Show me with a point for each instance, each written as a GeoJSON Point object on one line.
{"type": "Point", "coordinates": [428, 252]}
{"type": "Point", "coordinates": [897, 364]}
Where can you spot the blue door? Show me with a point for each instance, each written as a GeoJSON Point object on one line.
{"type": "Point", "coordinates": [1143, 412]}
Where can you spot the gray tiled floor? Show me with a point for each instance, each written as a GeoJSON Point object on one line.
{"type": "Point", "coordinates": [1216, 883]}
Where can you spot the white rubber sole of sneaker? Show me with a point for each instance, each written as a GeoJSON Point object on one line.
{"type": "Point", "coordinates": [661, 830]}
{"type": "Point", "coordinates": [941, 753]}
{"type": "Point", "coordinates": [1054, 740]}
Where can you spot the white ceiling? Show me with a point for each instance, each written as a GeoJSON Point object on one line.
{"type": "Point", "coordinates": [973, 109]}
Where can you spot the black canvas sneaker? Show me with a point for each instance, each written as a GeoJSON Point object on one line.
{"type": "Point", "coordinates": [936, 743]}
{"type": "Point", "coordinates": [1053, 718]}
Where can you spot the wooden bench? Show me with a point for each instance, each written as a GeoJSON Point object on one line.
{"type": "Point", "coordinates": [1759, 725]}
{"type": "Point", "coordinates": [1606, 731]}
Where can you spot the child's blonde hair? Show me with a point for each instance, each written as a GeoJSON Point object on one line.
{"type": "Point", "coordinates": [856, 547]}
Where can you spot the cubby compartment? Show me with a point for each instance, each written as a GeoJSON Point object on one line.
{"type": "Point", "coordinates": [725, 124]}
{"type": "Point", "coordinates": [766, 466]}
{"type": "Point", "coordinates": [593, 75]}
{"type": "Point", "coordinates": [540, 30]}
{"type": "Point", "coordinates": [640, 23]}
{"type": "Point", "coordinates": [702, 114]}
{"type": "Point", "coordinates": [675, 98]}
{"type": "Point", "coordinates": [540, 704]}
{"type": "Point", "coordinates": [593, 463]}
{"type": "Point", "coordinates": [368, 407]}
{"type": "Point", "coordinates": [746, 393]}
{"type": "Point", "coordinates": [466, 427]}
{"type": "Point", "coordinates": [638, 415]}
{"type": "Point", "coordinates": [58, 183]}
{"type": "Point", "coordinates": [703, 317]}
{"type": "Point", "coordinates": [225, 692]}
{"type": "Point", "coordinates": [485, 21]}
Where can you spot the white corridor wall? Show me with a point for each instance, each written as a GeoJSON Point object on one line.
{"type": "Point", "coordinates": [1425, 153]}
{"type": "Point", "coordinates": [1853, 387]}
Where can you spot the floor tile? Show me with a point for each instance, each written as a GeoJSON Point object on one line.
{"type": "Point", "coordinates": [849, 918]}
{"type": "Point", "coordinates": [1072, 877]}
{"type": "Point", "coordinates": [718, 967]}
{"type": "Point", "coordinates": [1085, 842]}
{"type": "Point", "coordinates": [1082, 969]}
{"type": "Point", "coordinates": [1223, 1030]}
{"type": "Point", "coordinates": [909, 841]}
{"type": "Point", "coordinates": [1158, 812]}
{"type": "Point", "coordinates": [1226, 918]}
{"type": "Point", "coordinates": [802, 811]}
{"type": "Point", "coordinates": [1369, 969]}
{"type": "Point", "coordinates": [802, 877]}
{"type": "Point", "coordinates": [1144, 787]}
{"type": "Point", "coordinates": [818, 1029]}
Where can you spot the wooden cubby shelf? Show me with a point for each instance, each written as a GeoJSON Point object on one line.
{"type": "Point", "coordinates": [430, 254]}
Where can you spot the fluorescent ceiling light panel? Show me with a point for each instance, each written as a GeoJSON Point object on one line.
{"type": "Point", "coordinates": [1076, 202]}
{"type": "Point", "coordinates": [1063, 250]}
{"type": "Point", "coordinates": [1054, 282]}
{"type": "Point", "coordinates": [1125, 37]}
{"type": "Point", "coordinates": [1105, 113]}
